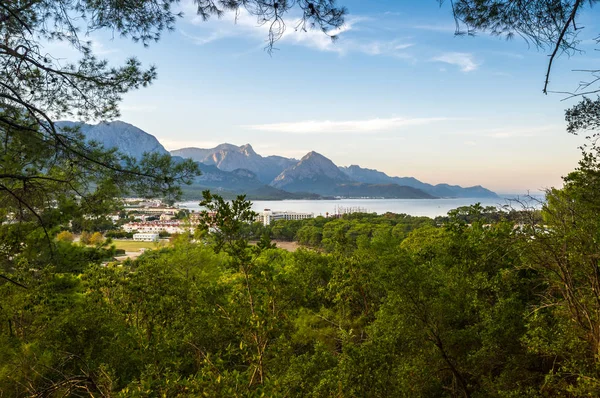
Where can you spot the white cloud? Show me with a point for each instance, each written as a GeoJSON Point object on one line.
{"type": "Point", "coordinates": [100, 49]}
{"type": "Point", "coordinates": [316, 39]}
{"type": "Point", "coordinates": [347, 126]}
{"type": "Point", "coordinates": [392, 47]}
{"type": "Point", "coordinates": [465, 61]}
{"type": "Point", "coordinates": [344, 45]}
{"type": "Point", "coordinates": [247, 26]}
{"type": "Point", "coordinates": [201, 40]}
{"type": "Point", "coordinates": [243, 24]}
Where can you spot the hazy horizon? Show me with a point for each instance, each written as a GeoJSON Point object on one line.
{"type": "Point", "coordinates": [533, 192]}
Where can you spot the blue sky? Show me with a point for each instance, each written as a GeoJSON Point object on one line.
{"type": "Point", "coordinates": [397, 92]}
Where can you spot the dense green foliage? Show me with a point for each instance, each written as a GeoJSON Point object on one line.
{"type": "Point", "coordinates": [329, 233]}
{"type": "Point", "coordinates": [475, 304]}
{"type": "Point", "coordinates": [388, 305]}
{"type": "Point", "coordinates": [325, 233]}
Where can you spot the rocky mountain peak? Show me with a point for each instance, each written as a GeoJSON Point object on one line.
{"type": "Point", "coordinates": [127, 138]}
{"type": "Point", "coordinates": [313, 168]}
{"type": "Point", "coordinates": [313, 155]}
{"type": "Point", "coordinates": [229, 157]}
{"type": "Point", "coordinates": [315, 163]}
{"type": "Point", "coordinates": [248, 150]}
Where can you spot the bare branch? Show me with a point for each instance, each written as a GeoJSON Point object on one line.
{"type": "Point", "coordinates": [559, 42]}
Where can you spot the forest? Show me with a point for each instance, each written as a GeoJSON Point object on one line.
{"type": "Point", "coordinates": [483, 302]}
{"type": "Point", "coordinates": [480, 303]}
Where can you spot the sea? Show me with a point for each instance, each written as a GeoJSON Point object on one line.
{"type": "Point", "coordinates": [414, 207]}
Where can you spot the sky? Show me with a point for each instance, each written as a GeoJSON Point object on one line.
{"type": "Point", "coordinates": [397, 92]}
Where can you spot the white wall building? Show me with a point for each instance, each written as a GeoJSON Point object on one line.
{"type": "Point", "coordinates": [172, 227]}
{"type": "Point", "coordinates": [154, 210]}
{"type": "Point", "coordinates": [146, 237]}
{"type": "Point", "coordinates": [268, 216]}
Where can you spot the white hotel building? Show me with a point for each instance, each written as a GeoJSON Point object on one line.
{"type": "Point", "coordinates": [268, 216]}
{"type": "Point", "coordinates": [172, 227]}
{"type": "Point", "coordinates": [146, 237]}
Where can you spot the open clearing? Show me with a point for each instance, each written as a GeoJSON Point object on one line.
{"type": "Point", "coordinates": [134, 246]}
{"type": "Point", "coordinates": [289, 246]}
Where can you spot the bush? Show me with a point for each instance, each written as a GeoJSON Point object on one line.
{"type": "Point", "coordinates": [85, 238]}
{"type": "Point", "coordinates": [65, 236]}
{"type": "Point", "coordinates": [97, 239]}
{"type": "Point", "coordinates": [119, 235]}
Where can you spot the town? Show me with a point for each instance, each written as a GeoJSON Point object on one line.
{"type": "Point", "coordinates": [151, 220]}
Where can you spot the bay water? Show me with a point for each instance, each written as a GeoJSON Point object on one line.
{"type": "Point", "coordinates": [414, 207]}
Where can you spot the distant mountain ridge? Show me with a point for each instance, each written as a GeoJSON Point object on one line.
{"type": "Point", "coordinates": [361, 189]}
{"type": "Point", "coordinates": [230, 157]}
{"type": "Point", "coordinates": [314, 173]}
{"type": "Point", "coordinates": [127, 138]}
{"type": "Point", "coordinates": [239, 169]}
{"type": "Point", "coordinates": [230, 183]}
{"type": "Point", "coordinates": [371, 176]}
{"type": "Point", "coordinates": [290, 175]}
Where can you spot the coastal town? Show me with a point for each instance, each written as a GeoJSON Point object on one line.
{"type": "Point", "coordinates": [151, 220]}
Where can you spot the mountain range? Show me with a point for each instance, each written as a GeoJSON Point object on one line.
{"type": "Point", "coordinates": [232, 169]}
{"type": "Point", "coordinates": [360, 174]}
{"type": "Point", "coordinates": [316, 173]}
{"type": "Point", "coordinates": [229, 157]}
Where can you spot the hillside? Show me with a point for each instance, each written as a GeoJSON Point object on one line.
{"type": "Point", "coordinates": [371, 176]}
{"type": "Point", "coordinates": [387, 191]}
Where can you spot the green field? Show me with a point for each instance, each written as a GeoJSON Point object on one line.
{"type": "Point", "coordinates": [134, 246]}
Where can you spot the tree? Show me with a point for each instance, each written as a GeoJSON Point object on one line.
{"type": "Point", "coordinates": [309, 235]}
{"type": "Point", "coordinates": [565, 326]}
{"type": "Point", "coordinates": [547, 24]}
{"type": "Point", "coordinates": [182, 214]}
{"type": "Point", "coordinates": [563, 253]}
{"type": "Point", "coordinates": [85, 238]}
{"type": "Point", "coordinates": [257, 302]}
{"type": "Point", "coordinates": [96, 239]}
{"type": "Point", "coordinates": [227, 222]}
